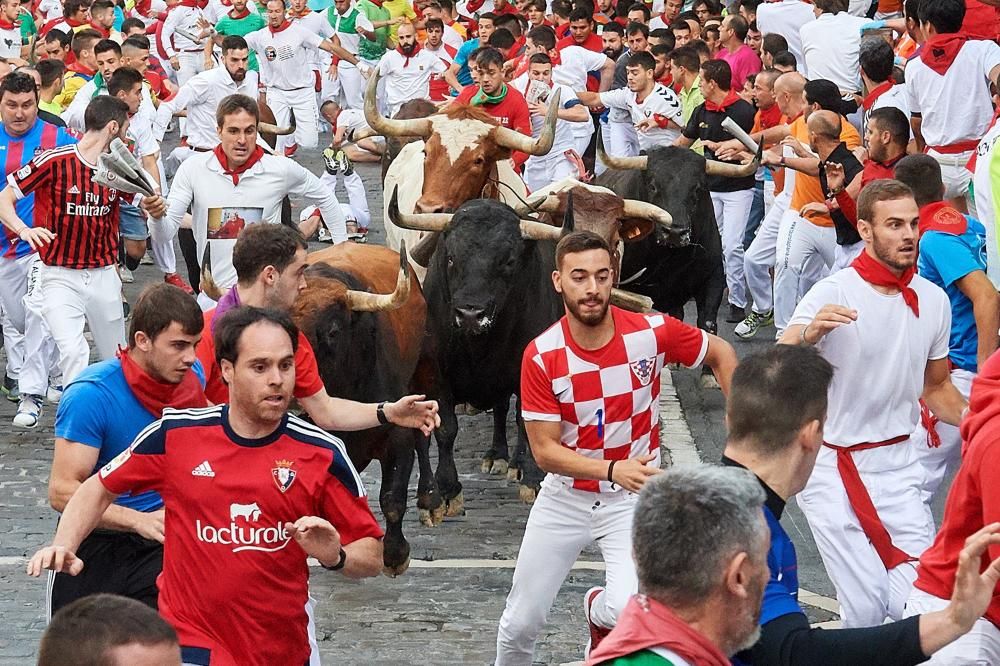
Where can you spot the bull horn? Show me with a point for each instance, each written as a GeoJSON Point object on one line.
{"type": "Point", "coordinates": [415, 221]}
{"type": "Point", "coordinates": [623, 163]}
{"type": "Point", "coordinates": [730, 170]}
{"type": "Point", "coordinates": [208, 286]}
{"type": "Point", "coordinates": [275, 129]}
{"type": "Point", "coordinates": [647, 211]}
{"type": "Point", "coordinates": [540, 231]}
{"type": "Point", "coordinates": [388, 127]}
{"type": "Point", "coordinates": [631, 301]}
{"type": "Point", "coordinates": [514, 140]}
{"type": "Point", "coordinates": [537, 203]}
{"type": "Point", "coordinates": [424, 249]}
{"type": "Point", "coordinates": [363, 301]}
{"type": "Point", "coordinates": [361, 134]}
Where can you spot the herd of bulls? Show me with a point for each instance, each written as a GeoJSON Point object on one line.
{"type": "Point", "coordinates": [451, 312]}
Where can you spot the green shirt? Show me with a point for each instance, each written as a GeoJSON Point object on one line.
{"type": "Point", "coordinates": [367, 49]}
{"type": "Point", "coordinates": [227, 25]}
{"type": "Point", "coordinates": [28, 28]}
{"type": "Point", "coordinates": [691, 100]}
{"type": "Point", "coordinates": [640, 658]}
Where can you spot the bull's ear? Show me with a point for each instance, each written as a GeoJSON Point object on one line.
{"type": "Point", "coordinates": [635, 229]}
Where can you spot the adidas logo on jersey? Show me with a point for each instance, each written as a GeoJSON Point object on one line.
{"type": "Point", "coordinates": [203, 469]}
{"type": "Point", "coordinates": [74, 190]}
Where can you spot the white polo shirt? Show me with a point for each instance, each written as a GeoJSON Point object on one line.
{"type": "Point", "coordinates": [350, 41]}
{"type": "Point", "coordinates": [564, 137]}
{"type": "Point", "coordinates": [185, 18]}
{"type": "Point", "coordinates": [576, 61]}
{"type": "Point", "coordinates": [987, 191]}
{"type": "Point", "coordinates": [830, 49]}
{"type": "Point", "coordinates": [408, 78]}
{"type": "Point", "coordinates": [10, 42]}
{"type": "Point", "coordinates": [956, 106]}
{"type": "Point", "coordinates": [662, 101]}
{"type": "Point", "coordinates": [201, 185]}
{"type": "Point", "coordinates": [316, 22]}
{"type": "Point", "coordinates": [201, 96]}
{"type": "Point", "coordinates": [786, 18]}
{"type": "Point", "coordinates": [285, 57]}
{"type": "Point", "coordinates": [894, 97]}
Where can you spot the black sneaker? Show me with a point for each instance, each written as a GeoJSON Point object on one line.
{"type": "Point", "coordinates": [10, 389]}
{"type": "Point", "coordinates": [736, 314]}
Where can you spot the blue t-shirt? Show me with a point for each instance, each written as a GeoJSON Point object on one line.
{"type": "Point", "coordinates": [781, 596]}
{"type": "Point", "coordinates": [98, 409]}
{"type": "Point", "coordinates": [18, 151]}
{"type": "Point", "coordinates": [462, 60]}
{"type": "Point", "coordinates": [945, 259]}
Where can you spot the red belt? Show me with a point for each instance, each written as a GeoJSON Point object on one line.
{"type": "Point", "coordinates": [956, 148]}
{"type": "Point", "coordinates": [861, 501]}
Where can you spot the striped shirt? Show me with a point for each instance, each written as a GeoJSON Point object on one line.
{"type": "Point", "coordinates": [82, 214]}
{"type": "Point", "coordinates": [18, 151]}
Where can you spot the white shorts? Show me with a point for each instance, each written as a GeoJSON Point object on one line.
{"type": "Point", "coordinates": [954, 173]}
{"type": "Point", "coordinates": [981, 646]}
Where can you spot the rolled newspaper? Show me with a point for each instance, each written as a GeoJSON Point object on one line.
{"type": "Point", "coordinates": [119, 169]}
{"type": "Point", "coordinates": [738, 133]}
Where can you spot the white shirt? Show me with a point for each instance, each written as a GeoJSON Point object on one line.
{"type": "Point", "coordinates": [201, 185]}
{"type": "Point", "coordinates": [880, 358]}
{"type": "Point", "coordinates": [662, 101]}
{"type": "Point", "coordinates": [452, 38]}
{"type": "Point", "coordinates": [350, 41]}
{"type": "Point", "coordinates": [201, 96]}
{"type": "Point", "coordinates": [408, 78]}
{"type": "Point", "coordinates": [576, 61]}
{"type": "Point", "coordinates": [49, 9]}
{"type": "Point", "coordinates": [73, 115]}
{"type": "Point", "coordinates": [284, 57]}
{"type": "Point", "coordinates": [893, 97]}
{"type": "Point", "coordinates": [957, 106]}
{"type": "Point", "coordinates": [830, 49]}
{"type": "Point", "coordinates": [987, 190]}
{"type": "Point", "coordinates": [316, 22]}
{"type": "Point", "coordinates": [10, 42]}
{"type": "Point", "coordinates": [185, 18]}
{"type": "Point", "coordinates": [786, 18]}
{"type": "Point", "coordinates": [140, 130]}
{"type": "Point", "coordinates": [564, 137]}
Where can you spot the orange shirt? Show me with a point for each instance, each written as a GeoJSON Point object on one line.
{"type": "Point", "coordinates": [807, 188]}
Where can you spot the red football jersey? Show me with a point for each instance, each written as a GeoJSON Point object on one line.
{"type": "Point", "coordinates": [234, 583]}
{"type": "Point", "coordinates": [607, 399]}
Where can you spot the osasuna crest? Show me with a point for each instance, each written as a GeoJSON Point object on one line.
{"type": "Point", "coordinates": [283, 474]}
{"type": "Point", "coordinates": [643, 369]}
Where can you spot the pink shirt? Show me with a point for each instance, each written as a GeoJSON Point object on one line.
{"type": "Point", "coordinates": [743, 63]}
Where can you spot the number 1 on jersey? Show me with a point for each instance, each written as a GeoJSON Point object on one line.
{"type": "Point", "coordinates": [600, 424]}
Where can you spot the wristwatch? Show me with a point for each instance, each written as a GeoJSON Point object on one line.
{"type": "Point", "coordinates": [339, 565]}
{"type": "Point", "coordinates": [380, 413]}
{"type": "Point", "coordinates": [782, 161]}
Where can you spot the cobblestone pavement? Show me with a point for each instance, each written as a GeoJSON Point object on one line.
{"type": "Point", "coordinates": [444, 610]}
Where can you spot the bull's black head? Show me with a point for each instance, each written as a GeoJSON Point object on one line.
{"type": "Point", "coordinates": [675, 181]}
{"type": "Point", "coordinates": [481, 256]}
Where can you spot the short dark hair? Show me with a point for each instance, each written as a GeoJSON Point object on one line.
{"type": "Point", "coordinates": [132, 22]}
{"type": "Point", "coordinates": [543, 36]}
{"type": "Point", "coordinates": [489, 56]}
{"type": "Point", "coordinates": [71, 7]}
{"type": "Point", "coordinates": [512, 22]}
{"type": "Point", "coordinates": [911, 10]}
{"type": "Point", "coordinates": [159, 306]}
{"type": "Point", "coordinates": [540, 59]}
{"type": "Point", "coordinates": [50, 70]}
{"type": "Point", "coordinates": [719, 72]}
{"type": "Point", "coordinates": [84, 631]}
{"type": "Point", "coordinates": [579, 241]}
{"type": "Point", "coordinates": [233, 104]}
{"type": "Point", "coordinates": [17, 83]}
{"type": "Point", "coordinates": [536, 4]}
{"type": "Point", "coordinates": [488, 16]}
{"type": "Point", "coordinates": [883, 189]}
{"type": "Point", "coordinates": [825, 94]}
{"type": "Point", "coordinates": [922, 174]}
{"type": "Point", "coordinates": [751, 5]}
{"type": "Point", "coordinates": [680, 25]}
{"type": "Point", "coordinates": [773, 43]}
{"type": "Point", "coordinates": [785, 59]}
{"type": "Point", "coordinates": [661, 50]}
{"type": "Point", "coordinates": [234, 43]}
{"type": "Point", "coordinates": [501, 39]}
{"type": "Point", "coordinates": [562, 8]}
{"type": "Point", "coordinates": [945, 15]}
{"type": "Point", "coordinates": [774, 393]}
{"type": "Point", "coordinates": [138, 42]}
{"type": "Point", "coordinates": [228, 330]}
{"type": "Point", "coordinates": [832, 6]}
{"type": "Point", "coordinates": [635, 27]}
{"type": "Point", "coordinates": [642, 59]}
{"type": "Point", "coordinates": [892, 120]}
{"type": "Point", "coordinates": [102, 110]}
{"type": "Point", "coordinates": [123, 80]}
{"type": "Point", "coordinates": [700, 47]}
{"type": "Point", "coordinates": [640, 7]}
{"type": "Point", "coordinates": [753, 27]}
{"type": "Point", "coordinates": [614, 26]}
{"type": "Point", "coordinates": [876, 58]}
{"type": "Point", "coordinates": [434, 24]}
{"type": "Point", "coordinates": [262, 245]}
{"type": "Point", "coordinates": [102, 4]}
{"type": "Point", "coordinates": [581, 14]}
{"type": "Point", "coordinates": [739, 26]}
{"type": "Point", "coordinates": [687, 58]}
{"type": "Point", "coordinates": [106, 45]}
{"type": "Point", "coordinates": [56, 35]}
{"type": "Point", "coordinates": [665, 37]}
{"type": "Point", "coordinates": [85, 40]}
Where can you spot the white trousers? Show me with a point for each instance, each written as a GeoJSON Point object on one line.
{"type": "Point", "coordinates": [301, 102]}
{"type": "Point", "coordinates": [13, 344]}
{"type": "Point", "coordinates": [74, 297]}
{"type": "Point", "coordinates": [191, 63]}
{"type": "Point", "coordinates": [22, 303]}
{"type": "Point", "coordinates": [894, 478]}
{"type": "Point", "coordinates": [581, 135]}
{"type": "Point", "coordinates": [758, 260]}
{"type": "Point", "coordinates": [352, 86]}
{"type": "Point", "coordinates": [954, 173]}
{"type": "Point", "coordinates": [732, 210]}
{"type": "Point", "coordinates": [940, 461]}
{"type": "Point", "coordinates": [805, 252]}
{"type": "Point", "coordinates": [357, 198]}
{"type": "Point", "coordinates": [562, 522]}
{"type": "Point", "coordinates": [544, 170]}
{"type": "Point", "coordinates": [981, 646]}
{"type": "Point", "coordinates": [843, 255]}
{"type": "Point", "coordinates": [620, 140]}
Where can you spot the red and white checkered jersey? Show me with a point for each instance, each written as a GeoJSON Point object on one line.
{"type": "Point", "coordinates": [607, 399]}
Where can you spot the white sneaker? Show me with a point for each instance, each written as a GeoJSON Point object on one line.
{"type": "Point", "coordinates": [28, 411]}
{"type": "Point", "coordinates": [126, 275]}
{"type": "Point", "coordinates": [324, 235]}
{"type": "Point", "coordinates": [54, 393]}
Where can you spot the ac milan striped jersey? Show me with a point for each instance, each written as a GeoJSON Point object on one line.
{"type": "Point", "coordinates": [82, 214]}
{"type": "Point", "coordinates": [606, 399]}
{"type": "Point", "coordinates": [16, 151]}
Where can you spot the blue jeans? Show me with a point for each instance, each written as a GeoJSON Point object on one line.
{"type": "Point", "coordinates": [756, 213]}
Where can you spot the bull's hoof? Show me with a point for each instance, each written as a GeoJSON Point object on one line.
{"type": "Point", "coordinates": [455, 506]}
{"type": "Point", "coordinates": [513, 474]}
{"type": "Point", "coordinates": [486, 465]}
{"type": "Point", "coordinates": [431, 517]}
{"type": "Point", "coordinates": [527, 494]}
{"type": "Point", "coordinates": [709, 381]}
{"type": "Point", "coordinates": [499, 468]}
{"type": "Point", "coordinates": [398, 570]}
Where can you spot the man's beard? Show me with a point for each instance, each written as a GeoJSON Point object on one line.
{"type": "Point", "coordinates": [238, 75]}
{"type": "Point", "coordinates": [590, 318]}
{"type": "Point", "coordinates": [408, 48]}
{"type": "Point", "coordinates": [614, 54]}
{"type": "Point", "coordinates": [884, 254]}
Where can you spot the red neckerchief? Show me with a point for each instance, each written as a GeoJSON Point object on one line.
{"type": "Point", "coordinates": [81, 69]}
{"type": "Point", "coordinates": [875, 93]}
{"type": "Point", "coordinates": [292, 14]}
{"type": "Point", "coordinates": [75, 23]}
{"type": "Point", "coordinates": [188, 3]}
{"type": "Point", "coordinates": [646, 623]}
{"type": "Point", "coordinates": [874, 272]}
{"type": "Point", "coordinates": [236, 17]}
{"type": "Point", "coordinates": [769, 117]}
{"type": "Point", "coordinates": [255, 157]}
{"type": "Point", "coordinates": [412, 54]}
{"type": "Point", "coordinates": [283, 26]}
{"type": "Point", "coordinates": [667, 80]}
{"type": "Point", "coordinates": [940, 50]}
{"type": "Point", "coordinates": [377, 3]}
{"type": "Point", "coordinates": [731, 98]}
{"type": "Point", "coordinates": [104, 32]}
{"type": "Point", "coordinates": [8, 25]}
{"type": "Point", "coordinates": [154, 395]}
{"type": "Point", "coordinates": [516, 49]}
{"type": "Point", "coordinates": [941, 216]}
